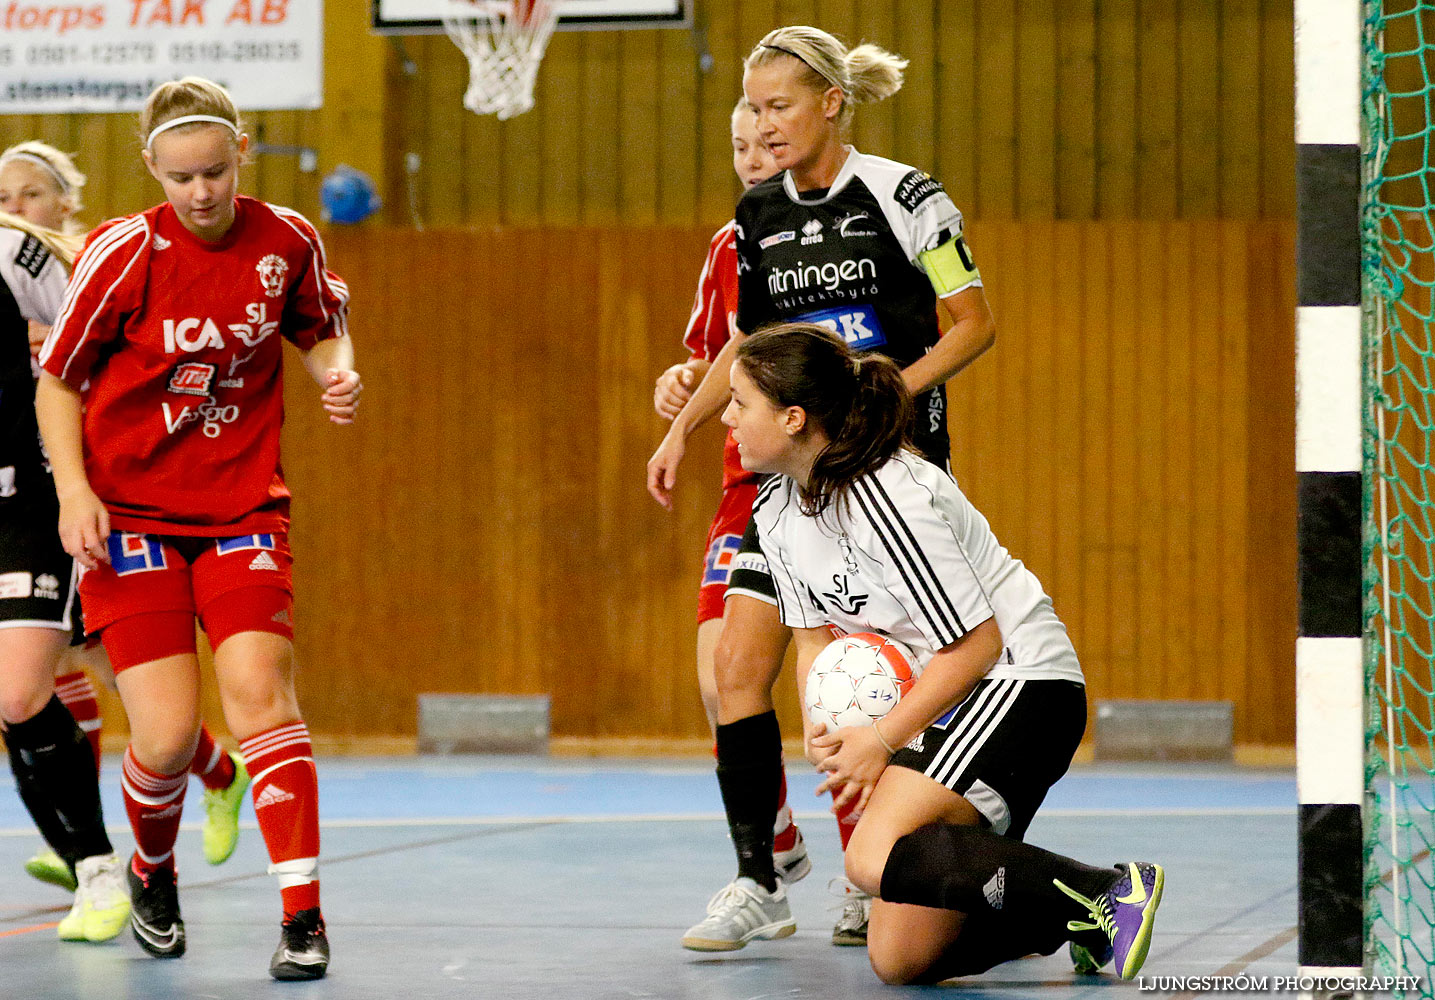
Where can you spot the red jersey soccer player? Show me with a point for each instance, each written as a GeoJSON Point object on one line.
{"type": "Point", "coordinates": [161, 405]}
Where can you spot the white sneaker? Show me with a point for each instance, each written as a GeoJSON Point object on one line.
{"type": "Point", "coordinates": [102, 901]}
{"type": "Point", "coordinates": [851, 929]}
{"type": "Point", "coordinates": [741, 911]}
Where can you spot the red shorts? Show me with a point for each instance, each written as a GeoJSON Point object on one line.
{"type": "Point", "coordinates": [724, 539]}
{"type": "Point", "coordinates": [183, 578]}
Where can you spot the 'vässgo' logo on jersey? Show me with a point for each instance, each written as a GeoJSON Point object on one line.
{"type": "Point", "coordinates": [191, 334]}
{"type": "Point", "coordinates": [209, 414]}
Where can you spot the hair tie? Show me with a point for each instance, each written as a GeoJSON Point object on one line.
{"type": "Point", "coordinates": [40, 161]}
{"type": "Point", "coordinates": [189, 119]}
{"type": "Point", "coordinates": [856, 366]}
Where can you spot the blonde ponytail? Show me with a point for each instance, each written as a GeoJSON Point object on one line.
{"type": "Point", "coordinates": [874, 73]}
{"type": "Point", "coordinates": [63, 245]}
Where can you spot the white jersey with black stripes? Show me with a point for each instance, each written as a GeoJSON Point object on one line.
{"type": "Point", "coordinates": [908, 556]}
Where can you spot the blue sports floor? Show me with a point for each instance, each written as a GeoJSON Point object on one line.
{"type": "Point", "coordinates": [553, 878]}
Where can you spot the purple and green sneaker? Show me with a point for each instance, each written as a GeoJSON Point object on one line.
{"type": "Point", "coordinates": [1126, 912]}
{"type": "Point", "coordinates": [1089, 959]}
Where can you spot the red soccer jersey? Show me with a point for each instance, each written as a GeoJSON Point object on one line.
{"type": "Point", "coordinates": [711, 325]}
{"type": "Point", "coordinates": [175, 337]}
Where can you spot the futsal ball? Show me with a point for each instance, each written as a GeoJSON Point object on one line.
{"type": "Point", "coordinates": [348, 196]}
{"type": "Point", "coordinates": [857, 679]}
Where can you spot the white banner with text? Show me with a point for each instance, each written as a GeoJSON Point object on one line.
{"type": "Point", "coordinates": [107, 55]}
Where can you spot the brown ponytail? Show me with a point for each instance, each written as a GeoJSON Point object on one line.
{"type": "Point", "coordinates": [859, 402]}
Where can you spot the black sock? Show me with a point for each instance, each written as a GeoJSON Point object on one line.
{"type": "Point", "coordinates": [976, 871]}
{"type": "Point", "coordinates": [749, 772]}
{"type": "Point", "coordinates": [55, 773]}
{"type": "Point", "coordinates": [989, 939]}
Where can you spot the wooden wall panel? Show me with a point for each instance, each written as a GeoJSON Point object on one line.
{"type": "Point", "coordinates": [1038, 109]}
{"type": "Point", "coordinates": [484, 527]}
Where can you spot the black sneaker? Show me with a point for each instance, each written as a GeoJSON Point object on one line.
{"type": "Point", "coordinates": [303, 951]}
{"type": "Point", "coordinates": [154, 913]}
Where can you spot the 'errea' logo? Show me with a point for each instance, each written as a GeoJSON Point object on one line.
{"type": "Point", "coordinates": [858, 325]}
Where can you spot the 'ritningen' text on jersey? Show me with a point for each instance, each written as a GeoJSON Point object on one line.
{"type": "Point", "coordinates": [181, 343]}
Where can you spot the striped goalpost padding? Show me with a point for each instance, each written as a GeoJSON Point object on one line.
{"type": "Point", "coordinates": [1329, 666]}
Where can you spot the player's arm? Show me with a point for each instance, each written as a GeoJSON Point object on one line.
{"type": "Point", "coordinates": [675, 386]}
{"type": "Point", "coordinates": [968, 330]}
{"type": "Point", "coordinates": [856, 755]}
{"type": "Point", "coordinates": [707, 401]}
{"type": "Point", "coordinates": [331, 364]}
{"type": "Point", "coordinates": [84, 522]}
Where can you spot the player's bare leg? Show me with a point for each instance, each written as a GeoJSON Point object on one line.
{"type": "Point", "coordinates": [255, 671]}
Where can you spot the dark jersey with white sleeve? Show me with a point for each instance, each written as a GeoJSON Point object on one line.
{"type": "Point", "coordinates": [32, 285]}
{"type": "Point", "coordinates": [908, 556]}
{"type": "Point", "coordinates": [866, 258]}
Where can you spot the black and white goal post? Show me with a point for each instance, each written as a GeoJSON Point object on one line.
{"type": "Point", "coordinates": [1329, 667]}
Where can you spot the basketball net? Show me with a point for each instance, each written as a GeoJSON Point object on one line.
{"type": "Point", "coordinates": [504, 41]}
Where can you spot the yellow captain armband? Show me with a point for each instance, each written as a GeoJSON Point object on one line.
{"type": "Point", "coordinates": [949, 267]}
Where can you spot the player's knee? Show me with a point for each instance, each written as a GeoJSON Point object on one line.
{"type": "Point", "coordinates": [897, 966]}
{"type": "Point", "coordinates": [864, 866]}
{"type": "Point", "coordinates": [740, 666]}
{"type": "Point", "coordinates": [165, 750]}
{"type": "Point", "coordinates": [22, 703]}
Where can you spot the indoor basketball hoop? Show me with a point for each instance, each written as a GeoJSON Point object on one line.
{"type": "Point", "coordinates": [504, 41]}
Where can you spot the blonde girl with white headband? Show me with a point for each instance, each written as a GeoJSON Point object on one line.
{"type": "Point", "coordinates": [42, 186]}
{"type": "Point", "coordinates": [160, 405]}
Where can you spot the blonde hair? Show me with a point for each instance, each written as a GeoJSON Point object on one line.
{"type": "Point", "coordinates": [192, 95]}
{"type": "Point", "coordinates": [60, 168]}
{"type": "Point", "coordinates": [65, 246]}
{"type": "Point", "coordinates": [864, 74]}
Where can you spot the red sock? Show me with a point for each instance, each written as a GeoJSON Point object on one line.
{"type": "Point", "coordinates": [154, 802]}
{"type": "Point", "coordinates": [286, 803]}
{"type": "Point", "coordinates": [846, 823]}
{"type": "Point", "coordinates": [211, 764]}
{"type": "Point", "coordinates": [78, 695]}
{"type": "Point", "coordinates": [784, 831]}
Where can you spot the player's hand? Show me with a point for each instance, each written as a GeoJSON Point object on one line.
{"type": "Point", "coordinates": [341, 395]}
{"type": "Point", "coordinates": [815, 755]}
{"type": "Point", "coordinates": [856, 761]}
{"type": "Point", "coordinates": [85, 527]}
{"type": "Point", "coordinates": [673, 389]}
{"type": "Point", "coordinates": [663, 468]}
{"type": "Point", "coordinates": [37, 333]}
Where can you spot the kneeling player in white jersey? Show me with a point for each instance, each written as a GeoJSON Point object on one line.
{"type": "Point", "coordinates": [863, 534]}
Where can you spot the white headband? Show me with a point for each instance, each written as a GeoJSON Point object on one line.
{"type": "Point", "coordinates": [39, 161]}
{"type": "Point", "coordinates": [189, 120]}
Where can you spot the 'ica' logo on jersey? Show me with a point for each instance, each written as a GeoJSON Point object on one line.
{"type": "Point", "coordinates": [272, 269]}
{"type": "Point", "coordinates": [191, 335]}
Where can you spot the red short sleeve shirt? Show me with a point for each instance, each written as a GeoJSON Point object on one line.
{"type": "Point", "coordinates": [176, 345]}
{"type": "Point", "coordinates": [710, 326]}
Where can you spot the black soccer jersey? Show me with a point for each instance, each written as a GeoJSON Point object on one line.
{"type": "Point", "coordinates": [32, 283]}
{"type": "Point", "coordinates": [866, 258]}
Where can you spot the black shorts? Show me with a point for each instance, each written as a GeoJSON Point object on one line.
{"type": "Point", "coordinates": [1003, 747]}
{"type": "Point", "coordinates": [38, 579]}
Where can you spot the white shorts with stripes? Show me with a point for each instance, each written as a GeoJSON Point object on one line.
{"type": "Point", "coordinates": [1003, 747]}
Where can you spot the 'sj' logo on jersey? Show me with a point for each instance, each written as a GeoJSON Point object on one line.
{"type": "Point", "coordinates": [857, 325]}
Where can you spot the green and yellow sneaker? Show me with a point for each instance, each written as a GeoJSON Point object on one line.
{"type": "Point", "coordinates": [221, 815]}
{"type": "Point", "coordinates": [47, 866]}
